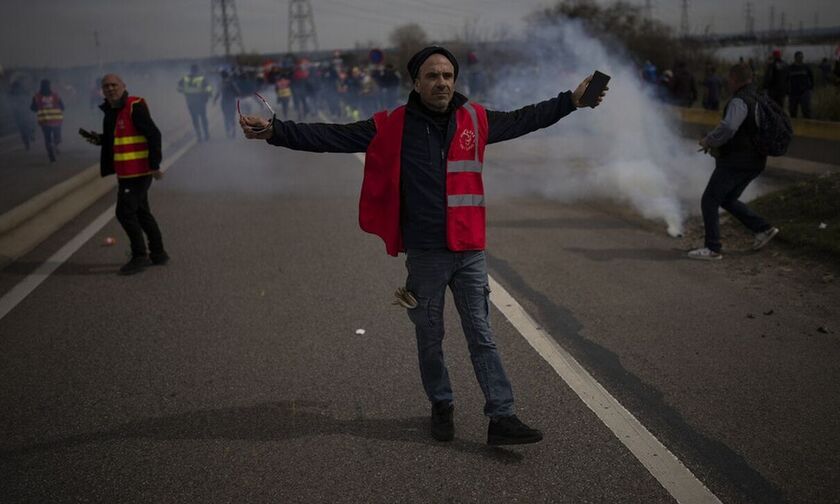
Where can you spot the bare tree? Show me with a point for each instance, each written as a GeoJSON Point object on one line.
{"type": "Point", "coordinates": [406, 40]}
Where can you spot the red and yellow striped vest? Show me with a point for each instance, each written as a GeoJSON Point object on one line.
{"type": "Point", "coordinates": [131, 149]}
{"type": "Point", "coordinates": [49, 112]}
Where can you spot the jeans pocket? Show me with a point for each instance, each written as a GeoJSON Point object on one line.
{"type": "Point", "coordinates": [420, 316]}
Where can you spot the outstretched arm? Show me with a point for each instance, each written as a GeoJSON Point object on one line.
{"type": "Point", "coordinates": [507, 125]}
{"type": "Point", "coordinates": [311, 137]}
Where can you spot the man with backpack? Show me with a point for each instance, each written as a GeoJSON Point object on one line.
{"type": "Point", "coordinates": [740, 145]}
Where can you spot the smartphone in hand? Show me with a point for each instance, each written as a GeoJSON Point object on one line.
{"type": "Point", "coordinates": [594, 89]}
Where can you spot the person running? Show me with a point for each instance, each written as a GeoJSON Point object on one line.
{"type": "Point", "coordinates": [737, 163]}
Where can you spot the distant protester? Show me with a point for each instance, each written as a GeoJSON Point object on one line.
{"type": "Point", "coordinates": [712, 85]}
{"type": "Point", "coordinates": [683, 87]}
{"type": "Point", "coordinates": [775, 78]}
{"type": "Point", "coordinates": [423, 194]}
{"type": "Point", "coordinates": [131, 149]}
{"type": "Point", "coordinates": [800, 85]}
{"type": "Point", "coordinates": [197, 92]}
{"type": "Point", "coordinates": [19, 100]}
{"type": "Point", "coordinates": [737, 163]}
{"type": "Point", "coordinates": [49, 109]}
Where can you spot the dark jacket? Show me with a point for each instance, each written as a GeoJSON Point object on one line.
{"type": "Point", "coordinates": [800, 79]}
{"type": "Point", "coordinates": [142, 121]}
{"type": "Point", "coordinates": [684, 88]}
{"type": "Point", "coordinates": [426, 139]}
{"type": "Point", "coordinates": [740, 152]}
{"type": "Point", "coordinates": [775, 78]}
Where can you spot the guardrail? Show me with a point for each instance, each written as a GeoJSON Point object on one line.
{"type": "Point", "coordinates": [809, 128]}
{"type": "Point", "coordinates": [27, 225]}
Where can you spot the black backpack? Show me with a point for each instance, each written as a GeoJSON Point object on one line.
{"type": "Point", "coordinates": [774, 131]}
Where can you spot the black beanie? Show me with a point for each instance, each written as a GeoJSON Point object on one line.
{"type": "Point", "coordinates": [418, 59]}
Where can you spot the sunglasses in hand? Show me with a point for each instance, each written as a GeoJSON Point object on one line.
{"type": "Point", "coordinates": [266, 105]}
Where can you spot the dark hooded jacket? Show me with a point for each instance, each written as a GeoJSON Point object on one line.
{"type": "Point", "coordinates": [426, 139]}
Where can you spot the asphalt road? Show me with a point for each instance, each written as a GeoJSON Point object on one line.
{"type": "Point", "coordinates": [235, 374]}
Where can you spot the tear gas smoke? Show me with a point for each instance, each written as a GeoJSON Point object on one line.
{"type": "Point", "coordinates": [628, 149]}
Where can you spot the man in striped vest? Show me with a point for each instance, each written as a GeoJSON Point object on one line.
{"type": "Point", "coordinates": [423, 195]}
{"type": "Point", "coordinates": [49, 109]}
{"type": "Point", "coordinates": [131, 149]}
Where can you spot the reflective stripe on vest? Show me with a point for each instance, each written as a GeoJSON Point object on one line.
{"type": "Point", "coordinates": [128, 140]}
{"type": "Point", "coordinates": [194, 85]}
{"type": "Point", "coordinates": [129, 156]}
{"type": "Point", "coordinates": [461, 200]}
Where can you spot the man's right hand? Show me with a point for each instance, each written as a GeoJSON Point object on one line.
{"type": "Point", "coordinates": [256, 127]}
{"type": "Point", "coordinates": [91, 137]}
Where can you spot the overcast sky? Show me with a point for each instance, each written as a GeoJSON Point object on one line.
{"type": "Point", "coordinates": [60, 32]}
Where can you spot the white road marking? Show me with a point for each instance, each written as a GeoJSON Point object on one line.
{"type": "Point", "coordinates": [662, 464]}
{"type": "Point", "coordinates": [25, 287]}
{"type": "Point", "coordinates": [657, 459]}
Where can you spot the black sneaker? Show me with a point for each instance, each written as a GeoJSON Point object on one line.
{"type": "Point", "coordinates": [135, 265]}
{"type": "Point", "coordinates": [159, 259]}
{"type": "Point", "coordinates": [443, 425]}
{"type": "Point", "coordinates": [510, 430]}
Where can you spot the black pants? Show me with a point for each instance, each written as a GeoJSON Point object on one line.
{"type": "Point", "coordinates": [52, 137]}
{"type": "Point", "coordinates": [25, 128]}
{"type": "Point", "coordinates": [804, 101]}
{"type": "Point", "coordinates": [198, 113]}
{"type": "Point", "coordinates": [135, 217]}
{"type": "Point", "coordinates": [229, 115]}
{"type": "Point", "coordinates": [723, 190]}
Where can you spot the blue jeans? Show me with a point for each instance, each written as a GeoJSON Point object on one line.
{"type": "Point", "coordinates": [429, 272]}
{"type": "Point", "coordinates": [723, 190]}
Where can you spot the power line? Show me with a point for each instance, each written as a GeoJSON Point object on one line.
{"type": "Point", "coordinates": [685, 25]}
{"type": "Point", "coordinates": [224, 30]}
{"type": "Point", "coordinates": [301, 27]}
{"type": "Point", "coordinates": [749, 20]}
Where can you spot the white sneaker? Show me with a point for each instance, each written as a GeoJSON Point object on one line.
{"type": "Point", "coordinates": [705, 254]}
{"type": "Point", "coordinates": [764, 237]}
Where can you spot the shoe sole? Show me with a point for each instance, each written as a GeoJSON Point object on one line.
{"type": "Point", "coordinates": [502, 441]}
{"type": "Point", "coordinates": [131, 272]}
{"type": "Point", "coordinates": [706, 258]}
{"type": "Point", "coordinates": [763, 243]}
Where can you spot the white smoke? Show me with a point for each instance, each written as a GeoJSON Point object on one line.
{"type": "Point", "coordinates": [628, 149]}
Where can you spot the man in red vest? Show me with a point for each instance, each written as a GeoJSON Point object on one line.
{"type": "Point", "coordinates": [423, 195]}
{"type": "Point", "coordinates": [131, 149]}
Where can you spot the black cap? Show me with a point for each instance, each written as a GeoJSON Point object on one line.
{"type": "Point", "coordinates": [418, 59]}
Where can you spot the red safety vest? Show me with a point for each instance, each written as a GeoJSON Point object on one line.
{"type": "Point", "coordinates": [131, 149]}
{"type": "Point", "coordinates": [379, 205]}
{"type": "Point", "coordinates": [49, 109]}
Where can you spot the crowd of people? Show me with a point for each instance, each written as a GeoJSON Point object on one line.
{"type": "Point", "coordinates": [790, 84]}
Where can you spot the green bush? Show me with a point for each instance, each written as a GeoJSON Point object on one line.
{"type": "Point", "coordinates": [800, 210]}
{"type": "Point", "coordinates": [825, 103]}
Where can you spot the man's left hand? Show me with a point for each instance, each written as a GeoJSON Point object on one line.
{"type": "Point", "coordinates": [704, 146]}
{"type": "Point", "coordinates": [157, 174]}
